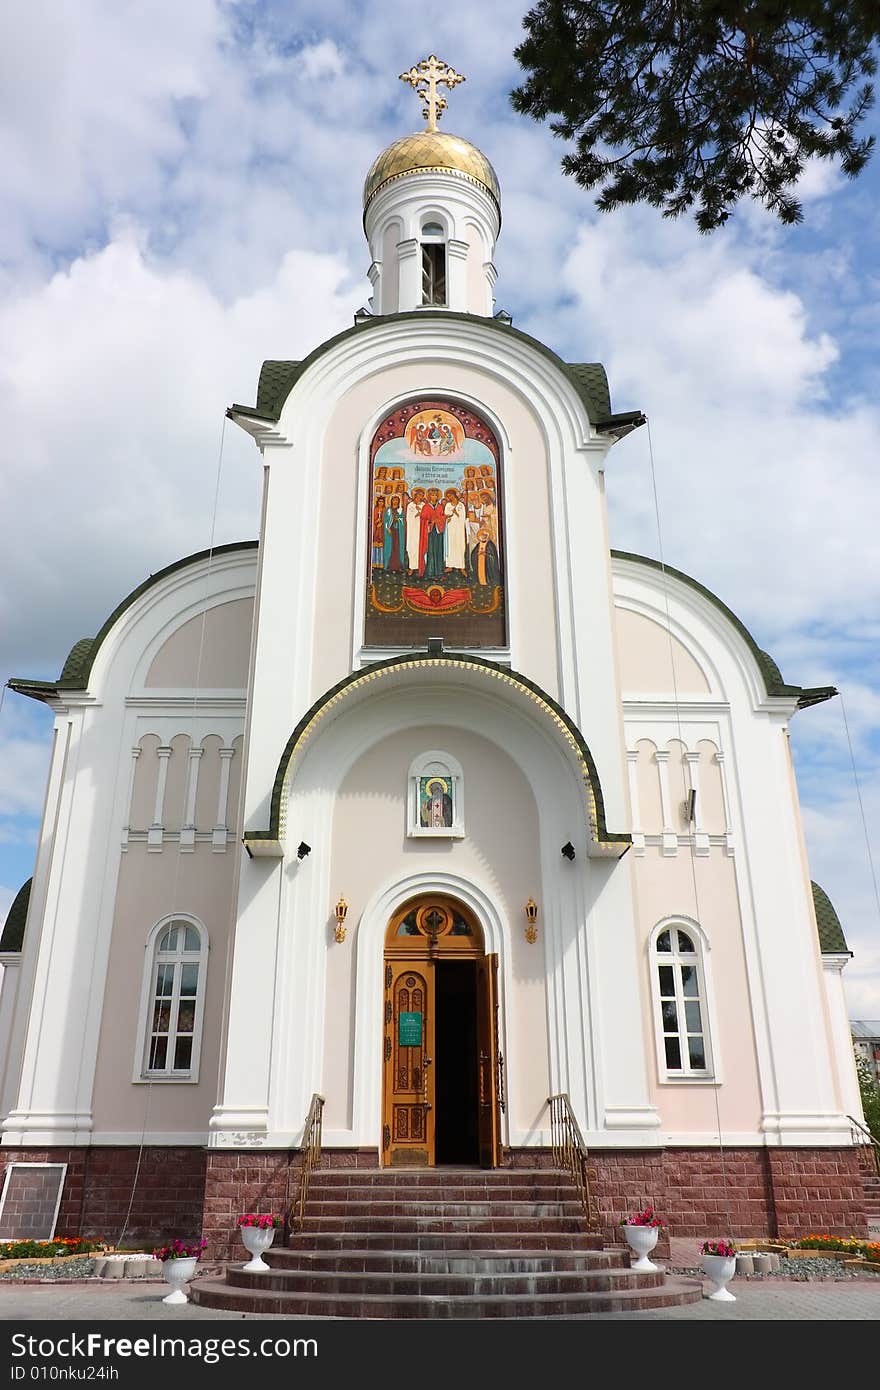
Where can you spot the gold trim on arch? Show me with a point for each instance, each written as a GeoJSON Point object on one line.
{"type": "Point", "coordinates": [602, 842]}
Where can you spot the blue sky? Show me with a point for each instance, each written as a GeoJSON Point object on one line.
{"type": "Point", "coordinates": [181, 199]}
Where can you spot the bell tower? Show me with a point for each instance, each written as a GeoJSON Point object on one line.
{"type": "Point", "coordinates": [432, 213]}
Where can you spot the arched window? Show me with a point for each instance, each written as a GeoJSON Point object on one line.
{"type": "Point", "coordinates": [433, 264]}
{"type": "Point", "coordinates": [680, 1002]}
{"type": "Point", "coordinates": [173, 1000]}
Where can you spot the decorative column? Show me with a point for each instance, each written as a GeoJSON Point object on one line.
{"type": "Point", "coordinates": [632, 767]}
{"type": "Point", "coordinates": [218, 835]}
{"type": "Point", "coordinates": [374, 275]}
{"type": "Point", "coordinates": [188, 829]}
{"type": "Point", "coordinates": [729, 846]}
{"type": "Point", "coordinates": [154, 834]}
{"type": "Point", "coordinates": [410, 274]}
{"type": "Point", "coordinates": [669, 838]}
{"type": "Point", "coordinates": [701, 838]}
{"type": "Point", "coordinates": [456, 275]}
{"type": "Point", "coordinates": [135, 754]}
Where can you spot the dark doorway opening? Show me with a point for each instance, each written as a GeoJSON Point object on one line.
{"type": "Point", "coordinates": [456, 1132]}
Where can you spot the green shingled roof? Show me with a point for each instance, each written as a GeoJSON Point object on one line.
{"type": "Point", "coordinates": [278, 378]}
{"type": "Point", "coordinates": [831, 937]}
{"type": "Point", "coordinates": [78, 664]}
{"type": "Point", "coordinates": [13, 931]}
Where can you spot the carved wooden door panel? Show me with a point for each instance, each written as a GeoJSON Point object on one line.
{"type": "Point", "coordinates": [489, 1062]}
{"type": "Point", "coordinates": [408, 1041]}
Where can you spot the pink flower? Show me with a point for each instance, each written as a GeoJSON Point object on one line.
{"type": "Point", "coordinates": [263, 1220]}
{"type": "Point", "coordinates": [725, 1248]}
{"type": "Point", "coordinates": [648, 1217]}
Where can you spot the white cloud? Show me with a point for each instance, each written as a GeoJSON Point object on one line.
{"type": "Point", "coordinates": [129, 368]}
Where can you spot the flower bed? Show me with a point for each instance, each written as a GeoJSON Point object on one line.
{"type": "Point", "coordinates": [838, 1247]}
{"type": "Point", "coordinates": [46, 1251]}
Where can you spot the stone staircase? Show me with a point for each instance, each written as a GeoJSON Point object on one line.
{"type": "Point", "coordinates": [443, 1243]}
{"type": "Point", "coordinates": [871, 1187]}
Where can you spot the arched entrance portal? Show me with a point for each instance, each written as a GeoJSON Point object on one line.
{"type": "Point", "coordinates": [441, 1094]}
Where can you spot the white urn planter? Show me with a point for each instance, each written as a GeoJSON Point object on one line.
{"type": "Point", "coordinates": [178, 1272]}
{"type": "Point", "coordinates": [641, 1241]}
{"type": "Point", "coordinates": [256, 1239]}
{"type": "Point", "coordinates": [720, 1269]}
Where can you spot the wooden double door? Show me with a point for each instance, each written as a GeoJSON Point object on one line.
{"type": "Point", "coordinates": [442, 1068]}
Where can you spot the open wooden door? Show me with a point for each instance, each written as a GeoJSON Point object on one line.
{"type": "Point", "coordinates": [408, 1121]}
{"type": "Point", "coordinates": [489, 1062]}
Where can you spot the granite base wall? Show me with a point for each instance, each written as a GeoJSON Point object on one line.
{"type": "Point", "coordinates": [116, 1193]}
{"type": "Point", "coordinates": [178, 1191]}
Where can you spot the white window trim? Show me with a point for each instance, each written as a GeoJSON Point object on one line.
{"type": "Point", "coordinates": [140, 1075]}
{"type": "Point", "coordinates": [712, 1075]}
{"type": "Point", "coordinates": [442, 765]}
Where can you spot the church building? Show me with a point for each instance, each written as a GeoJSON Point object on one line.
{"type": "Point", "coordinates": [430, 804]}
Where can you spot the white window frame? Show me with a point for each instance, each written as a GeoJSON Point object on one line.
{"type": "Point", "coordinates": [435, 763]}
{"type": "Point", "coordinates": [142, 1074]}
{"type": "Point", "coordinates": [711, 1074]}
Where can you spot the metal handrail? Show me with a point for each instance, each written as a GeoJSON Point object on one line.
{"type": "Point", "coordinates": [311, 1154]}
{"type": "Point", "coordinates": [864, 1134]}
{"type": "Point", "coordinates": [569, 1149]}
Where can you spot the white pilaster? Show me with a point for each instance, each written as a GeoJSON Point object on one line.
{"type": "Point", "coordinates": [155, 832]}
{"type": "Point", "coordinates": [456, 275]}
{"type": "Point", "coordinates": [135, 754]}
{"type": "Point", "coordinates": [632, 768]}
{"type": "Point", "coordinates": [701, 838]}
{"type": "Point", "coordinates": [670, 836]}
{"type": "Point", "coordinates": [218, 835]}
{"type": "Point", "coordinates": [410, 272]}
{"type": "Point", "coordinates": [188, 829]}
{"type": "Point", "coordinates": [729, 841]}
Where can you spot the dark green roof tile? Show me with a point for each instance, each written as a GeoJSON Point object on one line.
{"type": "Point", "coordinates": [78, 663]}
{"type": "Point", "coordinates": [278, 378]}
{"type": "Point", "coordinates": [831, 937]}
{"type": "Point", "coordinates": [12, 938]}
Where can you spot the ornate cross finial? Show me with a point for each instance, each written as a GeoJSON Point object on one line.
{"type": "Point", "coordinates": [425, 78]}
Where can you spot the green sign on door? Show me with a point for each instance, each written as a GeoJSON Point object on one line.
{"type": "Point", "coordinates": [409, 1030]}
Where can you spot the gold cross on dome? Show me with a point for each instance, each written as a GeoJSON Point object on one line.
{"type": "Point", "coordinates": [425, 78]}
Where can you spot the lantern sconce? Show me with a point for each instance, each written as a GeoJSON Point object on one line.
{"type": "Point", "coordinates": [531, 910]}
{"type": "Point", "coordinates": [341, 913]}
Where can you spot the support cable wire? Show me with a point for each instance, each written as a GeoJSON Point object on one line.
{"type": "Point", "coordinates": [176, 884]}
{"type": "Point", "coordinates": [861, 804]}
{"type": "Point", "coordinates": [690, 789]}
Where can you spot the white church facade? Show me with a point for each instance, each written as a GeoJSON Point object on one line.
{"type": "Point", "coordinates": [431, 804]}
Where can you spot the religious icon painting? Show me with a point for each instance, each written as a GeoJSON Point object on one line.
{"type": "Point", "coordinates": [436, 783]}
{"type": "Point", "coordinates": [435, 803]}
{"type": "Point", "coordinates": [436, 567]}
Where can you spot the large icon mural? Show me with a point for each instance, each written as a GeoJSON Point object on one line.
{"type": "Point", "coordinates": [436, 567]}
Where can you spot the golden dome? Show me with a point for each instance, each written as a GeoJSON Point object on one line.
{"type": "Point", "coordinates": [431, 150]}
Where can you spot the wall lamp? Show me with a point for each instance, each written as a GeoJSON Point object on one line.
{"type": "Point", "coordinates": [568, 850]}
{"type": "Point", "coordinates": [341, 914]}
{"type": "Point", "coordinates": [531, 911]}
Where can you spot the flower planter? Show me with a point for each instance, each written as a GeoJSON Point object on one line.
{"type": "Point", "coordinates": [256, 1240]}
{"type": "Point", "coordinates": [720, 1269]}
{"type": "Point", "coordinates": [641, 1241]}
{"type": "Point", "coordinates": [178, 1272]}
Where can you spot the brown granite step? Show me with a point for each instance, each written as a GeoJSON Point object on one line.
{"type": "Point", "coordinates": [215, 1294]}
